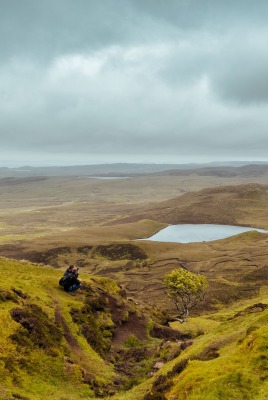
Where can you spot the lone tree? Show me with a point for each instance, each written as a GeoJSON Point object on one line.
{"type": "Point", "coordinates": [186, 290]}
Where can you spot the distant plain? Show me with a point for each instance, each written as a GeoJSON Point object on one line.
{"type": "Point", "coordinates": [58, 220]}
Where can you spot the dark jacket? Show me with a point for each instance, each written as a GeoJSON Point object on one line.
{"type": "Point", "coordinates": [69, 278]}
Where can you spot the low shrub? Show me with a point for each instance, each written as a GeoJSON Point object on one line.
{"type": "Point", "coordinates": [37, 330]}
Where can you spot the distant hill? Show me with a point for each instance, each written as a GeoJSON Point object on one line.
{"type": "Point", "coordinates": [122, 169]}
{"type": "Point", "coordinates": [109, 341]}
{"type": "Point", "coordinates": [230, 205]}
{"type": "Point", "coordinates": [251, 170]}
{"type": "Point", "coordinates": [111, 250]}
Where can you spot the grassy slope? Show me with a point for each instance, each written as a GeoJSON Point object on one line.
{"type": "Point", "coordinates": [231, 265]}
{"type": "Point", "coordinates": [227, 360]}
{"type": "Point", "coordinates": [41, 374]}
{"type": "Point", "coordinates": [240, 343]}
{"type": "Point", "coordinates": [229, 205]}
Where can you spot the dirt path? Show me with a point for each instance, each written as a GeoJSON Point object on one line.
{"type": "Point", "coordinates": [77, 354]}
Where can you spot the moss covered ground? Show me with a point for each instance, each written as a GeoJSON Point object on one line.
{"type": "Point", "coordinates": [36, 360]}
{"type": "Point", "coordinates": [44, 353]}
{"type": "Point", "coordinates": [227, 360]}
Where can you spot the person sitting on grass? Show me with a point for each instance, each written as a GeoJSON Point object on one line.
{"type": "Point", "coordinates": [70, 281]}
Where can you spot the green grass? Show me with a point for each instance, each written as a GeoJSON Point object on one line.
{"type": "Point", "coordinates": [227, 359]}
{"type": "Point", "coordinates": [239, 372]}
{"type": "Point", "coordinates": [42, 373]}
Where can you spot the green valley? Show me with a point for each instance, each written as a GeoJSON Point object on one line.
{"type": "Point", "coordinates": [112, 340]}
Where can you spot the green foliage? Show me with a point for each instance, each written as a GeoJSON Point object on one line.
{"type": "Point", "coordinates": [132, 341]}
{"type": "Point", "coordinates": [159, 387]}
{"type": "Point", "coordinates": [36, 329]}
{"type": "Point", "coordinates": [44, 353]}
{"type": "Point", "coordinates": [7, 295]}
{"type": "Point", "coordinates": [133, 362]}
{"type": "Point", "coordinates": [94, 320]}
{"type": "Point", "coordinates": [41, 354]}
{"type": "Point", "coordinates": [121, 252]}
{"type": "Point", "coordinates": [228, 362]}
{"type": "Point", "coordinates": [150, 326]}
{"type": "Point", "coordinates": [169, 350]}
{"type": "Point", "coordinates": [186, 290]}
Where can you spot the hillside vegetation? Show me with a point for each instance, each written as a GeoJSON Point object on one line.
{"type": "Point", "coordinates": [57, 346]}
{"type": "Point", "coordinates": [229, 361]}
{"type": "Point", "coordinates": [42, 353]}
{"type": "Point", "coordinates": [111, 339]}
{"type": "Point", "coordinates": [98, 344]}
{"type": "Point", "coordinates": [235, 267]}
{"type": "Point", "coordinates": [230, 205]}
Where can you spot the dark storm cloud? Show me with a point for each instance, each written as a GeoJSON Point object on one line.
{"type": "Point", "coordinates": [134, 77]}
{"type": "Point", "coordinates": [45, 29]}
{"type": "Point", "coordinates": [244, 76]}
{"type": "Point", "coordinates": [48, 28]}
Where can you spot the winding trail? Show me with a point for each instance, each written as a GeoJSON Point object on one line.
{"type": "Point", "coordinates": [78, 355]}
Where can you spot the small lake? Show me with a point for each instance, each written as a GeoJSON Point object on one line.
{"type": "Point", "coordinates": [106, 177]}
{"type": "Point", "coordinates": [189, 233]}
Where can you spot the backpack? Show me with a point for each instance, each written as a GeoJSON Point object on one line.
{"type": "Point", "coordinates": [62, 281]}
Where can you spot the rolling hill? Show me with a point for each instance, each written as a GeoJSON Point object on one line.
{"type": "Point", "coordinates": [124, 169]}
{"type": "Point", "coordinates": [235, 267]}
{"type": "Point", "coordinates": [245, 205]}
{"type": "Point", "coordinates": [99, 344]}
{"type": "Point", "coordinates": [109, 341]}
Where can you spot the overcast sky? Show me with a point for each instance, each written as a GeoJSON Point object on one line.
{"type": "Point", "coordinates": [96, 81]}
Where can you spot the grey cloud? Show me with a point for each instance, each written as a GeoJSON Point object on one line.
{"type": "Point", "coordinates": [205, 14]}
{"type": "Point", "coordinates": [46, 29]}
{"type": "Point", "coordinates": [236, 65]}
{"type": "Point", "coordinates": [241, 74]}
{"type": "Point", "coordinates": [134, 77]}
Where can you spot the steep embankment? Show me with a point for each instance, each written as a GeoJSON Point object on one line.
{"type": "Point", "coordinates": [228, 360]}
{"type": "Point", "coordinates": [56, 346]}
{"type": "Point", "coordinates": [98, 344]}
{"type": "Point", "coordinates": [40, 353]}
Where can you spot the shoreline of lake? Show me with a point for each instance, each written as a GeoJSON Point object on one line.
{"type": "Point", "coordinates": [197, 233]}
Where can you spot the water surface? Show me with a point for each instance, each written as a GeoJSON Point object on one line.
{"type": "Point", "coordinates": [188, 233]}
{"type": "Point", "coordinates": [108, 177]}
